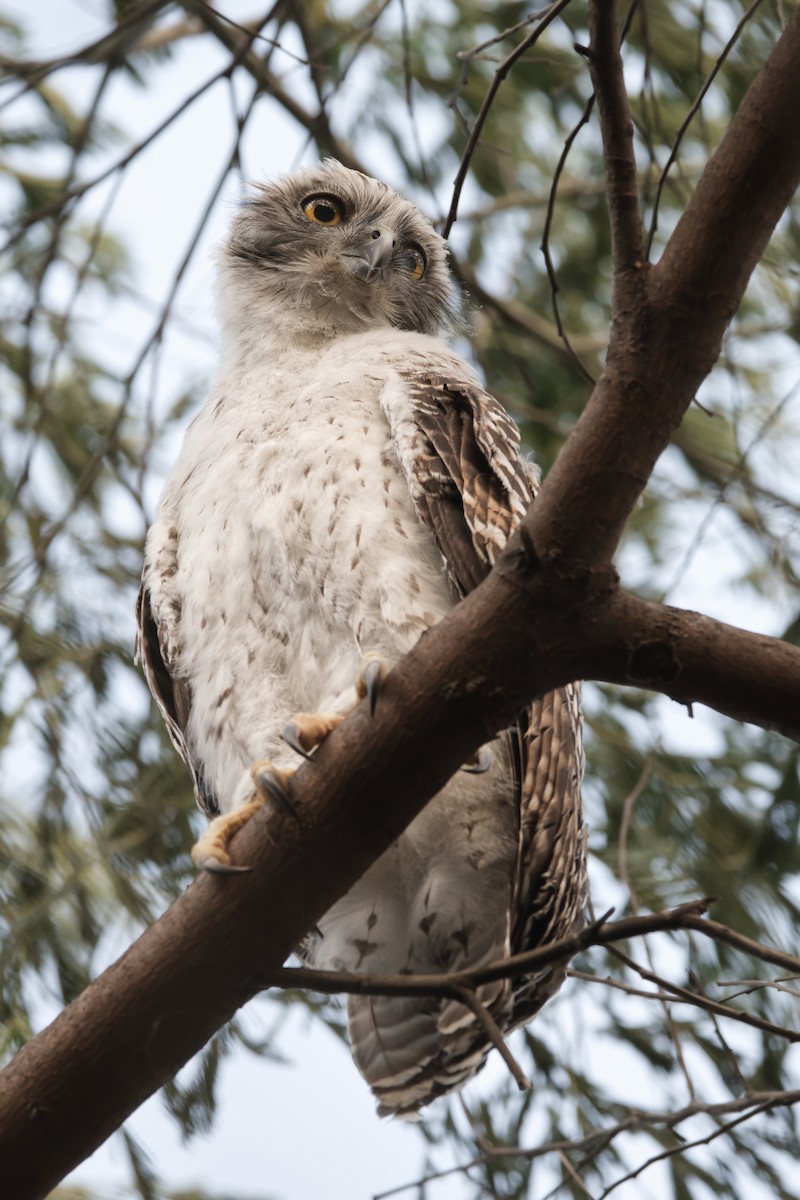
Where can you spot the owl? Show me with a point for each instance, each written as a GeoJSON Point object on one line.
{"type": "Point", "coordinates": [348, 480]}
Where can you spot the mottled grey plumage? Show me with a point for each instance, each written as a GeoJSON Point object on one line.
{"type": "Point", "coordinates": [348, 480]}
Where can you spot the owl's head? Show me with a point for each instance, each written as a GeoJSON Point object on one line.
{"type": "Point", "coordinates": [341, 250]}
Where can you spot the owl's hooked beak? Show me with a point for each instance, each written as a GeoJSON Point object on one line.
{"type": "Point", "coordinates": [369, 261]}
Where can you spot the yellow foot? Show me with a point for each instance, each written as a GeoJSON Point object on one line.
{"type": "Point", "coordinates": [211, 852]}
{"type": "Point", "coordinates": [307, 730]}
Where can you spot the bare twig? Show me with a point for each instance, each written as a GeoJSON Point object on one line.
{"type": "Point", "coordinates": [569, 343]}
{"type": "Point", "coordinates": [625, 823]}
{"type": "Point", "coordinates": [721, 933]}
{"type": "Point", "coordinates": [748, 986]}
{"type": "Point", "coordinates": [735, 474]}
{"type": "Point", "coordinates": [500, 74]}
{"type": "Point", "coordinates": [470, 999]}
{"type": "Point", "coordinates": [712, 252]}
{"type": "Point", "coordinates": [695, 999]}
{"type": "Point", "coordinates": [694, 108]}
{"type": "Point", "coordinates": [711, 1006]}
{"type": "Point", "coordinates": [78, 190]}
{"type": "Point", "coordinates": [627, 815]}
{"type": "Point", "coordinates": [534, 326]}
{"type": "Point", "coordinates": [599, 933]}
{"type": "Point", "coordinates": [113, 45]}
{"type": "Point", "coordinates": [683, 1146]}
{"type": "Point", "coordinates": [316, 124]}
{"type": "Point", "coordinates": [573, 1174]}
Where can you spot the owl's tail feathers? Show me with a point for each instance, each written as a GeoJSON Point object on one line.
{"type": "Point", "coordinates": [411, 1049]}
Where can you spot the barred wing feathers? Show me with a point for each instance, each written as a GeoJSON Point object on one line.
{"type": "Point", "coordinates": [158, 641]}
{"type": "Point", "coordinates": [471, 487]}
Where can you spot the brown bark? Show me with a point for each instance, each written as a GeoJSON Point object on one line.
{"type": "Point", "coordinates": [549, 613]}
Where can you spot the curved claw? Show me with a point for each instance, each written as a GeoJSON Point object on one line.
{"type": "Point", "coordinates": [211, 852]}
{"type": "Point", "coordinates": [372, 683]}
{"type": "Point", "coordinates": [291, 735]}
{"type": "Point", "coordinates": [270, 783]}
{"type": "Point", "coordinates": [370, 678]}
{"type": "Point", "coordinates": [480, 763]}
{"type": "Point", "coordinates": [215, 866]}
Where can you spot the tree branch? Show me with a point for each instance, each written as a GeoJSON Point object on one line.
{"type": "Point", "coordinates": [599, 933]}
{"type": "Point", "coordinates": [658, 359]}
{"type": "Point", "coordinates": [616, 124]}
{"type": "Point", "coordinates": [694, 999]}
{"type": "Point", "coordinates": [694, 659]}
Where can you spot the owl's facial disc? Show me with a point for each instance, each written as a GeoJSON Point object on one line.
{"type": "Point", "coordinates": [343, 250]}
{"type": "Point", "coordinates": [368, 255]}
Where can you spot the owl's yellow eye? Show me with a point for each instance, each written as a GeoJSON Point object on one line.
{"type": "Point", "coordinates": [323, 210]}
{"type": "Point", "coordinates": [414, 261]}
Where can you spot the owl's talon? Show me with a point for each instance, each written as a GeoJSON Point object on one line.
{"type": "Point", "coordinates": [271, 784]}
{"type": "Point", "coordinates": [215, 866]}
{"type": "Point", "coordinates": [211, 852]}
{"type": "Point", "coordinates": [370, 678]}
{"type": "Point", "coordinates": [292, 735]}
{"type": "Point", "coordinates": [306, 731]}
{"type": "Point", "coordinates": [479, 763]}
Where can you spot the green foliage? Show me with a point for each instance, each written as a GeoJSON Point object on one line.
{"type": "Point", "coordinates": [96, 814]}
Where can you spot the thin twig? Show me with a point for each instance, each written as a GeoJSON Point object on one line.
{"type": "Point", "coordinates": [79, 190]}
{"type": "Point", "coordinates": [316, 124]}
{"type": "Point", "coordinates": [721, 933]}
{"type": "Point", "coordinates": [477, 50]}
{"type": "Point", "coordinates": [552, 278]}
{"type": "Point", "coordinates": [115, 44]}
{"type": "Point", "coordinates": [627, 815]}
{"type": "Point", "coordinates": [748, 986]}
{"type": "Point", "coordinates": [470, 1000]}
{"type": "Point", "coordinates": [698, 100]}
{"type": "Point", "coordinates": [573, 1174]}
{"type": "Point", "coordinates": [599, 933]}
{"type": "Point", "coordinates": [727, 1049]}
{"type": "Point", "coordinates": [488, 100]}
{"type": "Point", "coordinates": [736, 474]}
{"type": "Point", "coordinates": [682, 1146]}
{"type": "Point", "coordinates": [534, 326]}
{"type": "Point", "coordinates": [714, 1006]}
{"type": "Point", "coordinates": [697, 1000]}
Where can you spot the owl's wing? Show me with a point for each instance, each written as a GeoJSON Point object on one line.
{"type": "Point", "coordinates": [460, 452]}
{"type": "Point", "coordinates": [157, 645]}
{"type": "Point", "coordinates": [471, 487]}
{"type": "Point", "coordinates": [551, 885]}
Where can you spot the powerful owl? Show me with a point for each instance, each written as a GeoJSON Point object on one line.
{"type": "Point", "coordinates": [347, 481]}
